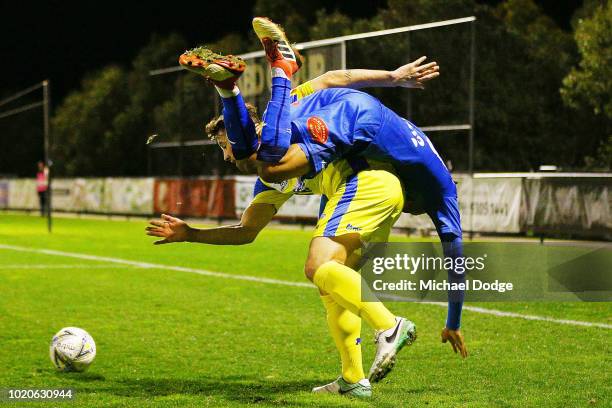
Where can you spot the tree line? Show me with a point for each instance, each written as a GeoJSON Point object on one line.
{"type": "Point", "coordinates": [542, 93]}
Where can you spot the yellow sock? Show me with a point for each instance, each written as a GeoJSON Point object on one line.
{"type": "Point", "coordinates": [345, 328]}
{"type": "Point", "coordinates": [343, 284]}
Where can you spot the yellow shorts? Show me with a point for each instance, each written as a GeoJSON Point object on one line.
{"type": "Point", "coordinates": [368, 203]}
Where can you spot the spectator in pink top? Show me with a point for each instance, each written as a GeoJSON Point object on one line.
{"type": "Point", "coordinates": [42, 185]}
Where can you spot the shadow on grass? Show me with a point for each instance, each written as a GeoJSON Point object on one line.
{"type": "Point", "coordinates": [237, 389]}
{"type": "Point", "coordinates": [82, 377]}
{"type": "Point", "coordinates": [234, 388]}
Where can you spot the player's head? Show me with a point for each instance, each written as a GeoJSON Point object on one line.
{"type": "Point", "coordinates": [215, 129]}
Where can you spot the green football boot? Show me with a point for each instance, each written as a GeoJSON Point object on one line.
{"type": "Point", "coordinates": [388, 344]}
{"type": "Point", "coordinates": [361, 389]}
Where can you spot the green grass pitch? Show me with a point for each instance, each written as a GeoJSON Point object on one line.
{"type": "Point", "coordinates": [170, 338]}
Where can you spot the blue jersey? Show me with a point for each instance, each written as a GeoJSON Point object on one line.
{"type": "Point", "coordinates": [343, 123]}
{"type": "Point", "coordinates": [336, 123]}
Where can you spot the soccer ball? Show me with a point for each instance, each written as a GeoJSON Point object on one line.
{"type": "Point", "coordinates": [72, 349]}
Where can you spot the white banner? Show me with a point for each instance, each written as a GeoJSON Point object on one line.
{"type": "Point", "coordinates": [581, 205]}
{"type": "Point", "coordinates": [77, 194]}
{"type": "Point", "coordinates": [243, 192]}
{"type": "Point", "coordinates": [505, 203]}
{"type": "Point", "coordinates": [22, 194]}
{"type": "Point", "coordinates": [128, 195]}
{"type": "Point", "coordinates": [67, 194]}
{"type": "Point", "coordinates": [109, 195]}
{"type": "Point", "coordinates": [91, 195]}
{"type": "Point", "coordinates": [496, 204]}
{"type": "Point", "coordinates": [302, 206]}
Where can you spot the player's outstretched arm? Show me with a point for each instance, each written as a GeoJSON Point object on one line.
{"type": "Point", "coordinates": [412, 75]}
{"type": "Point", "coordinates": [172, 229]}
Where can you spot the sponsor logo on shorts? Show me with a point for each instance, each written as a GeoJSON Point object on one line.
{"type": "Point", "coordinates": [301, 188]}
{"type": "Point", "coordinates": [281, 187]}
{"type": "Point", "coordinates": [318, 129]}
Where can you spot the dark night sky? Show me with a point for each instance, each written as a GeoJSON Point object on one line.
{"type": "Point", "coordinates": [62, 40]}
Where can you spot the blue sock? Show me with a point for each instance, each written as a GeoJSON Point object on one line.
{"type": "Point", "coordinates": [452, 247]}
{"type": "Point", "coordinates": [239, 126]}
{"type": "Point", "coordinates": [276, 134]}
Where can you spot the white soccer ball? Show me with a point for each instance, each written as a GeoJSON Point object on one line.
{"type": "Point", "coordinates": [72, 349]}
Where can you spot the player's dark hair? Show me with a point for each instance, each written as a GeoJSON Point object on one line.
{"type": "Point", "coordinates": [216, 124]}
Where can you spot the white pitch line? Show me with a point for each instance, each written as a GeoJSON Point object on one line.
{"type": "Point", "coordinates": [474, 309]}
{"type": "Point", "coordinates": [59, 266]}
{"type": "Point", "coordinates": [501, 313]}
{"type": "Point", "coordinates": [156, 266]}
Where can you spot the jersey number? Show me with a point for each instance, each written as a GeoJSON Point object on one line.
{"type": "Point", "coordinates": [417, 140]}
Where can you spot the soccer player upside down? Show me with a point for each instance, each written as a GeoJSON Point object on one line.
{"type": "Point", "coordinates": [361, 197]}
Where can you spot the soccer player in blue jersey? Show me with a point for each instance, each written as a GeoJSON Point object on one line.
{"type": "Point", "coordinates": [362, 202]}
{"type": "Point", "coordinates": [328, 276]}
{"type": "Point", "coordinates": [301, 138]}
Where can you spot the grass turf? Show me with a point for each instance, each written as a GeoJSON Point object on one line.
{"type": "Point", "coordinates": [167, 338]}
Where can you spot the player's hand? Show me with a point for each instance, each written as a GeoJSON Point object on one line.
{"type": "Point", "coordinates": [455, 338]}
{"type": "Point", "coordinates": [169, 228]}
{"type": "Point", "coordinates": [414, 75]}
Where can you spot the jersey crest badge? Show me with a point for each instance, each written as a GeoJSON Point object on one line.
{"type": "Point", "coordinates": [318, 129]}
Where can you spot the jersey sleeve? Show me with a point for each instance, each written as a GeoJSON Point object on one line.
{"type": "Point", "coordinates": [263, 194]}
{"type": "Point", "coordinates": [301, 91]}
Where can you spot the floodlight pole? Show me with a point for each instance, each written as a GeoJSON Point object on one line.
{"type": "Point", "coordinates": [149, 164]}
{"type": "Point", "coordinates": [471, 142]}
{"type": "Point", "coordinates": [48, 164]}
{"type": "Point", "coordinates": [471, 97]}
